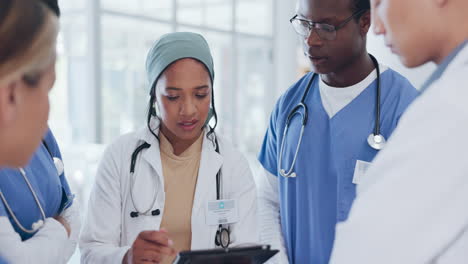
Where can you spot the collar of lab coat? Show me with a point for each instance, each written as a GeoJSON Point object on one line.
{"type": "Point", "coordinates": [210, 162]}
{"type": "Point", "coordinates": [460, 59]}
{"type": "Point", "coordinates": [448, 61]}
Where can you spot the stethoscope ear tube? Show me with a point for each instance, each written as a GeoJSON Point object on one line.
{"type": "Point", "coordinates": [222, 237]}
{"type": "Point", "coordinates": [36, 225]}
{"type": "Point", "coordinates": [377, 97]}
{"type": "Point", "coordinates": [375, 140]}
{"type": "Point", "coordinates": [295, 111]}
{"type": "Point", "coordinates": [138, 212]}
{"type": "Point", "coordinates": [135, 153]}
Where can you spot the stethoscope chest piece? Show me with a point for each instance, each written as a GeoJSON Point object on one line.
{"type": "Point", "coordinates": [223, 238]}
{"type": "Point", "coordinates": [376, 142]}
{"type": "Point", "coordinates": [37, 225]}
{"type": "Point", "coordinates": [284, 174]}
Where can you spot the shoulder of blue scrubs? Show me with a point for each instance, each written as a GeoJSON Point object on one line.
{"type": "Point", "coordinates": [3, 261]}
{"type": "Point", "coordinates": [52, 144]}
{"type": "Point", "coordinates": [399, 90]}
{"type": "Point", "coordinates": [268, 152]}
{"type": "Point", "coordinates": [67, 198]}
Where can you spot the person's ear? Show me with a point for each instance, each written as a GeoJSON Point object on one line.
{"type": "Point", "coordinates": [9, 101]}
{"type": "Point", "coordinates": [365, 23]}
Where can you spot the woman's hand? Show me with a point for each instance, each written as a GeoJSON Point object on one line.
{"type": "Point", "coordinates": [150, 247]}
{"type": "Point", "coordinates": [64, 222]}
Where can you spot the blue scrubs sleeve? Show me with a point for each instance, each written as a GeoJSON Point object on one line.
{"type": "Point", "coordinates": [408, 95]}
{"type": "Point", "coordinates": [2, 261]}
{"type": "Point", "coordinates": [67, 198]}
{"type": "Point", "coordinates": [268, 155]}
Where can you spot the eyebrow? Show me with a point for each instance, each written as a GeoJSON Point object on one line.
{"type": "Point", "coordinates": [327, 20]}
{"type": "Point", "coordinates": [179, 89]}
{"type": "Point", "coordinates": [202, 87]}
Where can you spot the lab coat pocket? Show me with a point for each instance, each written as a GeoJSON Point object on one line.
{"type": "Point", "coordinates": [135, 225]}
{"type": "Point", "coordinates": [203, 235]}
{"type": "Point", "coordinates": [132, 228]}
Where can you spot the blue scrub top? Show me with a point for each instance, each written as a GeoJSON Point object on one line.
{"type": "Point", "coordinates": [52, 189]}
{"type": "Point", "coordinates": [2, 261]}
{"type": "Point", "coordinates": [322, 193]}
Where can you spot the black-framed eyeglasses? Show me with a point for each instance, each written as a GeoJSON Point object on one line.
{"type": "Point", "coordinates": [304, 27]}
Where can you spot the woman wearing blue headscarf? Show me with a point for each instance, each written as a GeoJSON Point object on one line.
{"type": "Point", "coordinates": [175, 184]}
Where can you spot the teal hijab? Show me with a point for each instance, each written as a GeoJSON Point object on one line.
{"type": "Point", "coordinates": [173, 47]}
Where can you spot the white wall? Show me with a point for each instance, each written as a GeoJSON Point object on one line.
{"type": "Point", "coordinates": [285, 45]}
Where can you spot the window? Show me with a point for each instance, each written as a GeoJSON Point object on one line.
{"type": "Point", "coordinates": [124, 83]}
{"type": "Point", "coordinates": [107, 96]}
{"type": "Point", "coordinates": [102, 89]}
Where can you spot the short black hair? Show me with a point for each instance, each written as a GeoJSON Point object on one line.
{"type": "Point", "coordinates": [53, 5]}
{"type": "Point", "coordinates": [359, 5]}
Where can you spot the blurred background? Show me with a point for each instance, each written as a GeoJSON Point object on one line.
{"type": "Point", "coordinates": [102, 91]}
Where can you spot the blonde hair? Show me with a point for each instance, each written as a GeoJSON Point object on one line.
{"type": "Point", "coordinates": [28, 33]}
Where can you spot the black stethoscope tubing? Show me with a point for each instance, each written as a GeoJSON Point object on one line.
{"type": "Point", "coordinates": [302, 104]}
{"type": "Point", "coordinates": [375, 140]}
{"type": "Point", "coordinates": [222, 237]}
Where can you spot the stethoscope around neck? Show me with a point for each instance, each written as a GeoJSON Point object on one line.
{"type": "Point", "coordinates": [39, 223]}
{"type": "Point", "coordinates": [375, 140]}
{"type": "Point", "coordinates": [222, 237]}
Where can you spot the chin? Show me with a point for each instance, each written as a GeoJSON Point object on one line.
{"type": "Point", "coordinates": [413, 57]}
{"type": "Point", "coordinates": [21, 155]}
{"type": "Point", "coordinates": [409, 62]}
{"type": "Point", "coordinates": [17, 161]}
{"type": "Point", "coordinates": [320, 69]}
{"type": "Point", "coordinates": [188, 135]}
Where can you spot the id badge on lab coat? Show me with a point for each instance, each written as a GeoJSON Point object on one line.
{"type": "Point", "coordinates": [360, 170]}
{"type": "Point", "coordinates": [221, 212]}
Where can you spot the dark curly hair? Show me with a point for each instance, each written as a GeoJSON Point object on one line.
{"type": "Point", "coordinates": [358, 5]}
{"type": "Point", "coordinates": [53, 5]}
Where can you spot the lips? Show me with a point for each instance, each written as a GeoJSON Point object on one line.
{"type": "Point", "coordinates": [188, 125]}
{"type": "Point", "coordinates": [316, 59]}
{"type": "Point", "coordinates": [390, 46]}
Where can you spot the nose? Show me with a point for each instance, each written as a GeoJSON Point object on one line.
{"type": "Point", "coordinates": [378, 25]}
{"type": "Point", "coordinates": [313, 39]}
{"type": "Point", "coordinates": [188, 108]}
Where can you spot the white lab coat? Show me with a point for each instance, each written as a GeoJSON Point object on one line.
{"type": "Point", "coordinates": [49, 245]}
{"type": "Point", "coordinates": [269, 215]}
{"type": "Point", "coordinates": [109, 230]}
{"type": "Point", "coordinates": [413, 206]}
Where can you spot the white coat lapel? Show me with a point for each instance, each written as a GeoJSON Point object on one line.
{"type": "Point", "coordinates": [152, 155]}
{"type": "Point", "coordinates": [210, 164]}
